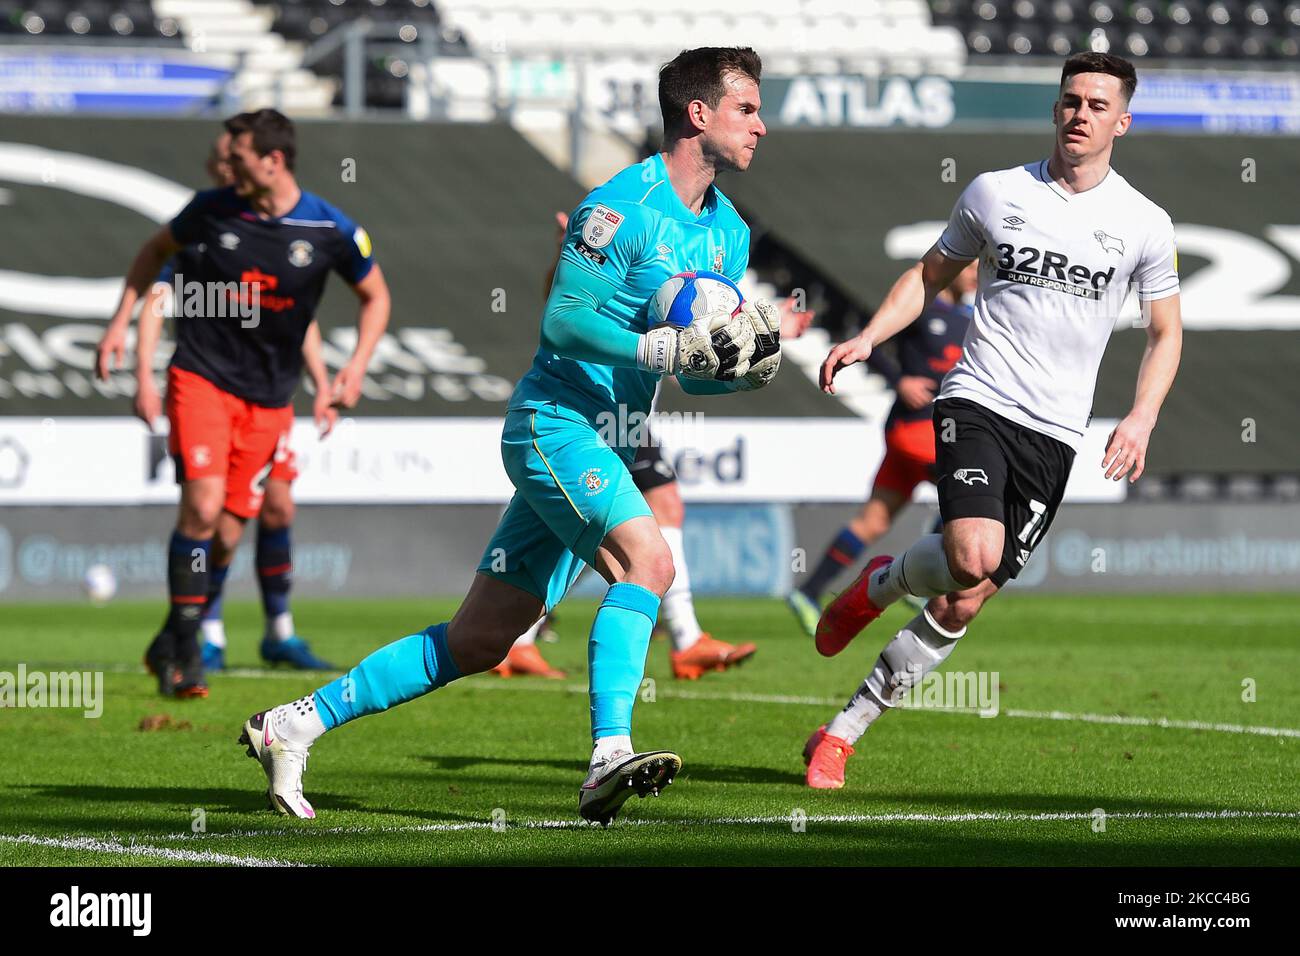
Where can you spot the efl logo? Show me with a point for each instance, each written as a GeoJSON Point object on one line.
{"type": "Point", "coordinates": [74, 909]}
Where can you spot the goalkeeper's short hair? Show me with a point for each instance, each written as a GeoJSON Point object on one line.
{"type": "Point", "coordinates": [698, 75]}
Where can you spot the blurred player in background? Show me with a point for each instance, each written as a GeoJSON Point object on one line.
{"type": "Point", "coordinates": [575, 501]}
{"type": "Point", "coordinates": [262, 251]}
{"type": "Point", "coordinates": [695, 651]}
{"type": "Point", "coordinates": [927, 349]}
{"type": "Point", "coordinates": [274, 556]}
{"type": "Point", "coordinates": [1059, 242]}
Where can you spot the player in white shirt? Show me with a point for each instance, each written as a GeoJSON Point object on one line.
{"type": "Point", "coordinates": [1059, 242]}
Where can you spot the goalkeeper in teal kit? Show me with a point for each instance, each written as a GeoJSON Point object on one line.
{"type": "Point", "coordinates": [575, 502]}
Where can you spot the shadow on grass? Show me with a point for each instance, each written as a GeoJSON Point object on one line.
{"type": "Point", "coordinates": [155, 803]}
{"type": "Point", "coordinates": [691, 770]}
{"type": "Point", "coordinates": [162, 811]}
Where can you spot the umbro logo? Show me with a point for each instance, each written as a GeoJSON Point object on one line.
{"type": "Point", "coordinates": [1013, 220]}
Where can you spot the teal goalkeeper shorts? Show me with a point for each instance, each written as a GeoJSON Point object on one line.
{"type": "Point", "coordinates": [571, 490]}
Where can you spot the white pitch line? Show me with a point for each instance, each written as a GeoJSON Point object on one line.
{"type": "Point", "coordinates": [786, 820]}
{"type": "Point", "coordinates": [96, 845]}
{"type": "Point", "coordinates": [554, 687]}
{"type": "Point", "coordinates": [1283, 619]}
{"type": "Point", "coordinates": [1162, 722]}
{"type": "Point", "coordinates": [1167, 723]}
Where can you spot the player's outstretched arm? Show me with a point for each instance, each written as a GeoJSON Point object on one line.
{"type": "Point", "coordinates": [323, 411]}
{"type": "Point", "coordinates": [148, 262]}
{"type": "Point", "coordinates": [1126, 449]}
{"type": "Point", "coordinates": [372, 320]}
{"type": "Point", "coordinates": [914, 290]}
{"type": "Point", "coordinates": [148, 402]}
{"type": "Point", "coordinates": [111, 351]}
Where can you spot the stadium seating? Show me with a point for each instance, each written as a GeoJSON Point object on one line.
{"type": "Point", "coordinates": [311, 19]}
{"type": "Point", "coordinates": [398, 25]}
{"type": "Point", "coordinates": [99, 21]}
{"type": "Point", "coordinates": [886, 30]}
{"type": "Point", "coordinates": [1145, 29]}
{"type": "Point", "coordinates": [907, 36]}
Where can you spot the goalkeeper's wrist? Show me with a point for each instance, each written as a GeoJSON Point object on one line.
{"type": "Point", "coordinates": [656, 352]}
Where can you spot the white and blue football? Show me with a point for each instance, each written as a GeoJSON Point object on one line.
{"type": "Point", "coordinates": [688, 296]}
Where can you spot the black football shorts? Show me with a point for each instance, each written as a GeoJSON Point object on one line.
{"type": "Point", "coordinates": [650, 469]}
{"type": "Point", "coordinates": [991, 467]}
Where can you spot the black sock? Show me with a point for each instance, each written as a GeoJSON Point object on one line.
{"type": "Point", "coordinates": [843, 551]}
{"type": "Point", "coordinates": [187, 587]}
{"type": "Point", "coordinates": [274, 571]}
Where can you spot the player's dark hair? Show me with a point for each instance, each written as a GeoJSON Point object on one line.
{"type": "Point", "coordinates": [698, 75]}
{"type": "Point", "coordinates": [271, 129]}
{"type": "Point", "coordinates": [1107, 63]}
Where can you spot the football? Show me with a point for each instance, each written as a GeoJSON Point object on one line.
{"type": "Point", "coordinates": [100, 583]}
{"type": "Point", "coordinates": [688, 296]}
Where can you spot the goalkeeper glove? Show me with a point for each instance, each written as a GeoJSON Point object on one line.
{"type": "Point", "coordinates": [766, 322]}
{"type": "Point", "coordinates": [715, 346]}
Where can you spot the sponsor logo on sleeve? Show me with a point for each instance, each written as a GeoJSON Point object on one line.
{"type": "Point", "coordinates": [362, 239]}
{"type": "Point", "coordinates": [600, 227]}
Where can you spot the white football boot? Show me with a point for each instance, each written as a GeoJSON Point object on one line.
{"type": "Point", "coordinates": [612, 781]}
{"type": "Point", "coordinates": [283, 761]}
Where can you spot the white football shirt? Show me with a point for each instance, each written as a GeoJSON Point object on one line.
{"type": "Point", "coordinates": [1055, 268]}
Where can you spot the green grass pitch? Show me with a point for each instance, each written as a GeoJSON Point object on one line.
{"type": "Point", "coordinates": [486, 771]}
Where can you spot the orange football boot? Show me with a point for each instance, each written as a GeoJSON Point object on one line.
{"type": "Point", "coordinates": [825, 757]}
{"type": "Point", "coordinates": [709, 654]}
{"type": "Point", "coordinates": [846, 616]}
{"type": "Point", "coordinates": [527, 660]}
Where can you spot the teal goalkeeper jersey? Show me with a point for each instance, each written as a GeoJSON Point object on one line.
{"type": "Point", "coordinates": [623, 241]}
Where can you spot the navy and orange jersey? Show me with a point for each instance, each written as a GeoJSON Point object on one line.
{"type": "Point", "coordinates": [930, 346]}
{"type": "Point", "coordinates": [230, 251]}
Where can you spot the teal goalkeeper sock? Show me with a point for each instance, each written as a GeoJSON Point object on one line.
{"type": "Point", "coordinates": [398, 672]}
{"type": "Point", "coordinates": [616, 653]}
